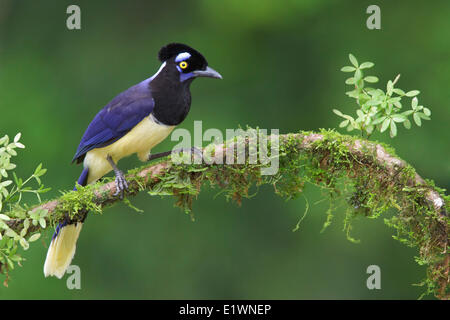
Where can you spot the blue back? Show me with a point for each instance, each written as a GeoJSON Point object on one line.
{"type": "Point", "coordinates": [117, 118]}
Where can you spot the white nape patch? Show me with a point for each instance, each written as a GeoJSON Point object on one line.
{"type": "Point", "coordinates": [147, 81]}
{"type": "Point", "coordinates": [157, 72]}
{"type": "Point", "coordinates": [182, 56]}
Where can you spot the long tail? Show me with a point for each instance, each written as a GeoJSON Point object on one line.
{"type": "Point", "coordinates": [64, 241]}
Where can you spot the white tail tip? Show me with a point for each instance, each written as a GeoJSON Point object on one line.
{"type": "Point", "coordinates": [61, 250]}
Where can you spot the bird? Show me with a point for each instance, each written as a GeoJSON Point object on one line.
{"type": "Point", "coordinates": [133, 122]}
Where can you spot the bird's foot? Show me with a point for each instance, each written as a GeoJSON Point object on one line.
{"type": "Point", "coordinates": [121, 184]}
{"type": "Point", "coordinates": [197, 151]}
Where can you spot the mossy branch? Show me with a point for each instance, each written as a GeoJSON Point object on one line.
{"type": "Point", "coordinates": [369, 173]}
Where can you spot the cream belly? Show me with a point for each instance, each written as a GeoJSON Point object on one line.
{"type": "Point", "coordinates": [141, 139]}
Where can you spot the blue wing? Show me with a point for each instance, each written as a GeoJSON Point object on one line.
{"type": "Point", "coordinates": [116, 119]}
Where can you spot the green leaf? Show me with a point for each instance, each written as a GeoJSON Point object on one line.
{"type": "Point", "coordinates": [344, 123]}
{"type": "Point", "coordinates": [385, 125]}
{"type": "Point", "coordinates": [398, 91]}
{"type": "Point", "coordinates": [358, 75]}
{"type": "Point", "coordinates": [414, 103]}
{"type": "Point", "coordinates": [353, 93]}
{"type": "Point", "coordinates": [26, 223]}
{"type": "Point", "coordinates": [407, 112]}
{"type": "Point", "coordinates": [378, 120]}
{"type": "Point", "coordinates": [5, 183]}
{"type": "Point", "coordinates": [371, 79]}
{"type": "Point", "coordinates": [427, 112]}
{"type": "Point", "coordinates": [374, 92]}
{"type": "Point", "coordinates": [348, 118]}
{"type": "Point", "coordinates": [359, 83]}
{"type": "Point", "coordinates": [10, 263]}
{"type": "Point", "coordinates": [4, 191]}
{"type": "Point", "coordinates": [4, 140]}
{"type": "Point", "coordinates": [360, 113]}
{"type": "Point", "coordinates": [398, 104]}
{"type": "Point", "coordinates": [17, 181]}
{"type": "Point", "coordinates": [38, 168]}
{"type": "Point", "coordinates": [24, 243]}
{"type": "Point", "coordinates": [407, 124]}
{"type": "Point", "coordinates": [44, 190]}
{"type": "Point", "coordinates": [366, 65]}
{"type": "Point", "coordinates": [393, 132]}
{"type": "Point", "coordinates": [41, 172]}
{"type": "Point", "coordinates": [373, 102]}
{"type": "Point", "coordinates": [423, 116]}
{"type": "Point", "coordinates": [412, 93]}
{"type": "Point", "coordinates": [350, 81]}
{"type": "Point", "coordinates": [398, 118]}
{"type": "Point", "coordinates": [336, 111]}
{"type": "Point", "coordinates": [353, 60]}
{"type": "Point", "coordinates": [394, 99]}
{"type": "Point", "coordinates": [17, 137]}
{"type": "Point", "coordinates": [16, 258]}
{"type": "Point", "coordinates": [417, 119]}
{"type": "Point", "coordinates": [43, 223]}
{"type": "Point", "coordinates": [10, 166]}
{"type": "Point", "coordinates": [389, 87]}
{"type": "Point", "coordinates": [348, 69]}
{"type": "Point", "coordinates": [4, 217]}
{"type": "Point", "coordinates": [11, 240]}
{"type": "Point", "coordinates": [34, 237]}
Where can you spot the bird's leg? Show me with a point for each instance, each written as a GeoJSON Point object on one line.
{"type": "Point", "coordinates": [158, 155]}
{"type": "Point", "coordinates": [194, 150]}
{"type": "Point", "coordinates": [121, 182]}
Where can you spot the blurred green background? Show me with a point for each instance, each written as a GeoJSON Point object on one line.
{"type": "Point", "coordinates": [280, 61]}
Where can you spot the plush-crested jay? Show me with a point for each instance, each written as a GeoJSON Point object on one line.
{"type": "Point", "coordinates": [135, 121]}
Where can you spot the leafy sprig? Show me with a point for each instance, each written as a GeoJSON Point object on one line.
{"type": "Point", "coordinates": [379, 110]}
{"type": "Point", "coordinates": [12, 190]}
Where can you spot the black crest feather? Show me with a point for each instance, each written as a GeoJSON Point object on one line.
{"type": "Point", "coordinates": [173, 49]}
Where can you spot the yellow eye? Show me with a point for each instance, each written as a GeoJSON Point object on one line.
{"type": "Point", "coordinates": [183, 64]}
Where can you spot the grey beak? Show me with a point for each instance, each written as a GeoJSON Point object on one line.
{"type": "Point", "coordinates": [209, 73]}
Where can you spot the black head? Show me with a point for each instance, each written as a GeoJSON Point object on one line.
{"type": "Point", "coordinates": [188, 61]}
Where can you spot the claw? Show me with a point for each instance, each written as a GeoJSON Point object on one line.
{"type": "Point", "coordinates": [121, 184]}
{"type": "Point", "coordinates": [197, 151]}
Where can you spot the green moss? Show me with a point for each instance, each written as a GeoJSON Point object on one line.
{"type": "Point", "coordinates": [360, 181]}
{"type": "Point", "coordinates": [75, 204]}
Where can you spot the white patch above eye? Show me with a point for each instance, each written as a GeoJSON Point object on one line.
{"type": "Point", "coordinates": [182, 56]}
